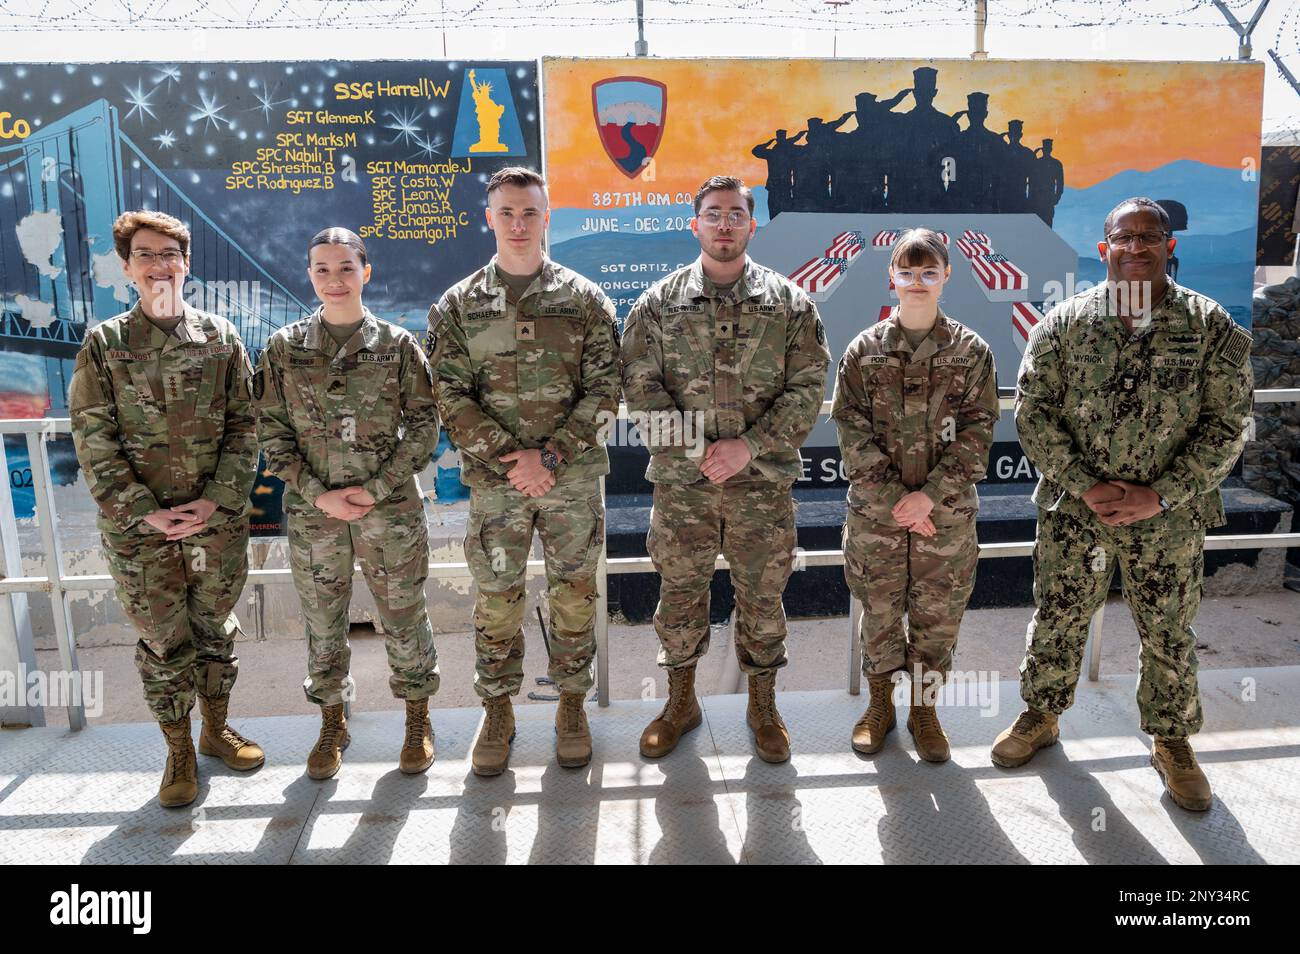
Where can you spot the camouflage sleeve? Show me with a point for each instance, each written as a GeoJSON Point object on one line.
{"type": "Point", "coordinates": [1216, 441]}
{"type": "Point", "coordinates": [1040, 418]}
{"type": "Point", "coordinates": [237, 467]}
{"type": "Point", "coordinates": [472, 429]}
{"type": "Point", "coordinates": [109, 475]}
{"type": "Point", "coordinates": [275, 431]}
{"type": "Point", "coordinates": [597, 405]}
{"type": "Point", "coordinates": [965, 460]}
{"type": "Point", "coordinates": [642, 358]}
{"type": "Point", "coordinates": [867, 464]}
{"type": "Point", "coordinates": [792, 416]}
{"type": "Point", "coordinates": [419, 424]}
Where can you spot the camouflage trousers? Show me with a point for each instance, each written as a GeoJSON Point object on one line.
{"type": "Point", "coordinates": [1160, 571]}
{"type": "Point", "coordinates": [570, 520]}
{"type": "Point", "coordinates": [181, 598]}
{"type": "Point", "coordinates": [393, 550]}
{"type": "Point", "coordinates": [894, 572]}
{"type": "Point", "coordinates": [753, 525]}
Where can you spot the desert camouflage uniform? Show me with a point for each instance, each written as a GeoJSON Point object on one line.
{"type": "Point", "coordinates": [160, 420]}
{"type": "Point", "coordinates": [1166, 408]}
{"type": "Point", "coordinates": [913, 420]}
{"type": "Point", "coordinates": [515, 375]}
{"type": "Point", "coordinates": [357, 414]}
{"type": "Point", "coordinates": [748, 364]}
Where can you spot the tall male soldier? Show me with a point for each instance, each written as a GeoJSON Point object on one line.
{"type": "Point", "coordinates": [1133, 401]}
{"type": "Point", "coordinates": [165, 435]}
{"type": "Point", "coordinates": [526, 357]}
{"type": "Point", "coordinates": [739, 349]}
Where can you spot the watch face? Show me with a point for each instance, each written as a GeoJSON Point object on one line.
{"type": "Point", "coordinates": [549, 460]}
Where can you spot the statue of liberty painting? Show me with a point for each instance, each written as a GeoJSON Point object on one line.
{"type": "Point", "coordinates": [489, 118]}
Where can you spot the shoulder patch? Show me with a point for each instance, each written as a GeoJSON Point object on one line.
{"type": "Point", "coordinates": [821, 331]}
{"type": "Point", "coordinates": [259, 383]}
{"type": "Point", "coordinates": [1237, 348]}
{"type": "Point", "coordinates": [1039, 342]}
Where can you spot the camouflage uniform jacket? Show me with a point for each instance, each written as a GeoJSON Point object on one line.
{"type": "Point", "coordinates": [357, 414]}
{"type": "Point", "coordinates": [160, 420]}
{"type": "Point", "coordinates": [750, 365]}
{"type": "Point", "coordinates": [1166, 408]}
{"type": "Point", "coordinates": [916, 420]}
{"type": "Point", "coordinates": [517, 375]}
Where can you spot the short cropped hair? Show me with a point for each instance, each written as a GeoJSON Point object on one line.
{"type": "Point", "coordinates": [1140, 202]}
{"type": "Point", "coordinates": [724, 184]}
{"type": "Point", "coordinates": [128, 223]}
{"type": "Point", "coordinates": [520, 176]}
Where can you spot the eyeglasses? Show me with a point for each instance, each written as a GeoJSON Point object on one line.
{"type": "Point", "coordinates": [171, 256]}
{"type": "Point", "coordinates": [1145, 239]}
{"type": "Point", "coordinates": [735, 218]}
{"type": "Point", "coordinates": [930, 276]}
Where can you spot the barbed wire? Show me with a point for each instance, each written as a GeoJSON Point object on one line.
{"type": "Point", "coordinates": [815, 15]}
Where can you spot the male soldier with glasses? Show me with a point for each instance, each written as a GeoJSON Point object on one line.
{"type": "Point", "coordinates": [739, 348]}
{"type": "Point", "coordinates": [1133, 402]}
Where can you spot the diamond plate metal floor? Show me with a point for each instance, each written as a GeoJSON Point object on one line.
{"type": "Point", "coordinates": [90, 797]}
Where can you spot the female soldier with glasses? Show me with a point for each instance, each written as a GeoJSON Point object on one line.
{"type": "Point", "coordinates": [915, 403]}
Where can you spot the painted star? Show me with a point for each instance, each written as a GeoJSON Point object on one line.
{"type": "Point", "coordinates": [165, 139]}
{"type": "Point", "coordinates": [139, 101]}
{"type": "Point", "coordinates": [266, 101]}
{"type": "Point", "coordinates": [428, 148]}
{"type": "Point", "coordinates": [209, 112]}
{"type": "Point", "coordinates": [168, 75]}
{"type": "Point", "coordinates": [404, 124]}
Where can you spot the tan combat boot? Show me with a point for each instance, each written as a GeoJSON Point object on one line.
{"type": "Point", "coordinates": [681, 714]}
{"type": "Point", "coordinates": [1176, 764]}
{"type": "Point", "coordinates": [770, 736]}
{"type": "Point", "coordinates": [219, 739]}
{"type": "Point", "coordinates": [923, 723]}
{"type": "Point", "coordinates": [1032, 730]}
{"type": "Point", "coordinates": [572, 733]}
{"type": "Point", "coordinates": [417, 749]}
{"type": "Point", "coordinates": [492, 750]}
{"type": "Point", "coordinates": [327, 755]}
{"type": "Point", "coordinates": [870, 731]}
{"type": "Point", "coordinates": [180, 781]}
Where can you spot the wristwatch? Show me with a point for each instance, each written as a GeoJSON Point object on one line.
{"type": "Point", "coordinates": [1164, 504]}
{"type": "Point", "coordinates": [549, 460]}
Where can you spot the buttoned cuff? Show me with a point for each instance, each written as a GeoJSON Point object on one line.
{"type": "Point", "coordinates": [1077, 479]}
{"type": "Point", "coordinates": [1175, 493]}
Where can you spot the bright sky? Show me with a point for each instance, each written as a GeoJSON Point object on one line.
{"type": "Point", "coordinates": [1040, 37]}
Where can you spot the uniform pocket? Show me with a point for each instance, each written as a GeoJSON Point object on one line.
{"type": "Point", "coordinates": [406, 566]}
{"type": "Point", "coordinates": [477, 555]}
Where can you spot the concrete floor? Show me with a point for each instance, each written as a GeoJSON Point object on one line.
{"type": "Point", "coordinates": [89, 797]}
{"type": "Point", "coordinates": [1234, 632]}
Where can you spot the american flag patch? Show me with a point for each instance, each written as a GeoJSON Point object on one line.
{"type": "Point", "coordinates": [1237, 349]}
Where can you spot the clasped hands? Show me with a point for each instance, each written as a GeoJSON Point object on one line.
{"type": "Point", "coordinates": [1118, 503]}
{"type": "Point", "coordinates": [183, 520]}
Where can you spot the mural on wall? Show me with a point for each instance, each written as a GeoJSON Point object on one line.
{"type": "Point", "coordinates": [1016, 163]}
{"type": "Point", "coordinates": [255, 158]}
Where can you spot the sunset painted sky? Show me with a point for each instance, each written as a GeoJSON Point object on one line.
{"type": "Point", "coordinates": [1105, 117]}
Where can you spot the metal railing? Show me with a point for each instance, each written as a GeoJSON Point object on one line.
{"type": "Point", "coordinates": [16, 646]}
